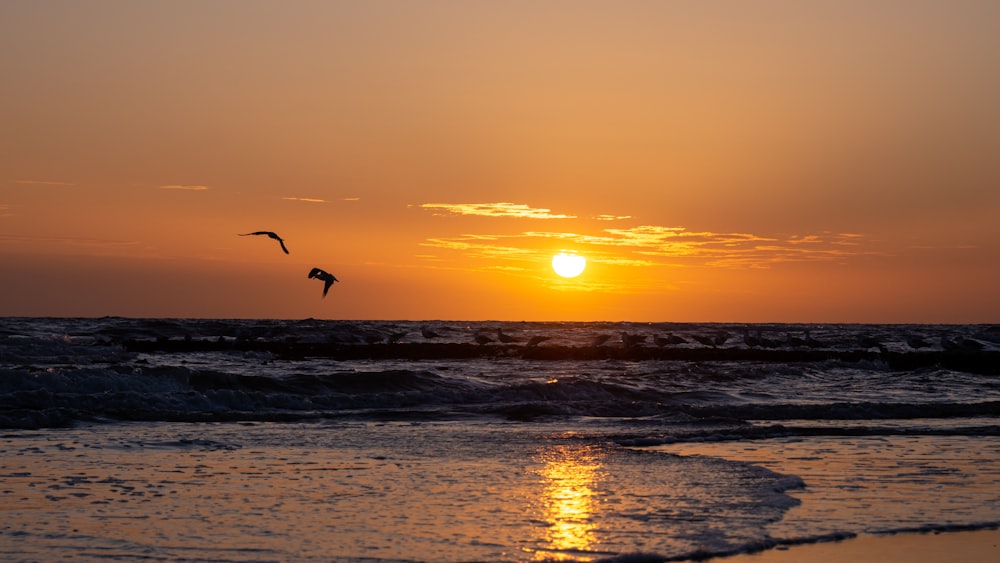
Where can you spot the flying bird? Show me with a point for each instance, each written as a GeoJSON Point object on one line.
{"type": "Point", "coordinates": [270, 234]}
{"type": "Point", "coordinates": [327, 278]}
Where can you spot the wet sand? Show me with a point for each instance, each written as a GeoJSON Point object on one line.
{"type": "Point", "coordinates": [946, 547]}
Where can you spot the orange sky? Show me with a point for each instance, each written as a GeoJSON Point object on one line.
{"type": "Point", "coordinates": [747, 161]}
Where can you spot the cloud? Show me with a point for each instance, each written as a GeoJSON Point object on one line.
{"type": "Point", "coordinates": [807, 239]}
{"type": "Point", "coordinates": [735, 250]}
{"type": "Point", "coordinates": [478, 246]}
{"type": "Point", "coordinates": [668, 237]}
{"type": "Point", "coordinates": [664, 246]}
{"type": "Point", "coordinates": [848, 239]}
{"type": "Point", "coordinates": [305, 199]}
{"type": "Point", "coordinates": [612, 217]}
{"type": "Point", "coordinates": [501, 209]}
{"type": "Point", "coordinates": [184, 188]}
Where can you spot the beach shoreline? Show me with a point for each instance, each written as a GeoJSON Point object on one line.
{"type": "Point", "coordinates": [471, 454]}
{"type": "Point", "coordinates": [916, 547]}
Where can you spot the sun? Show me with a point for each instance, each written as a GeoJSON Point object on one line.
{"type": "Point", "coordinates": [568, 265]}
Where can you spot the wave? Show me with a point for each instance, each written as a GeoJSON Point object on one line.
{"type": "Point", "coordinates": [972, 361]}
{"type": "Point", "coordinates": [56, 371]}
{"type": "Point", "coordinates": [56, 396]}
{"type": "Point", "coordinates": [32, 397]}
{"type": "Point", "coordinates": [971, 348]}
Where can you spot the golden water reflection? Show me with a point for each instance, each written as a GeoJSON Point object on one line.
{"type": "Point", "coordinates": [569, 501]}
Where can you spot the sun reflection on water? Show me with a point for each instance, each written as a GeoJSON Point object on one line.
{"type": "Point", "coordinates": [569, 502]}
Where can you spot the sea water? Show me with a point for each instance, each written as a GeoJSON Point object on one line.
{"type": "Point", "coordinates": [254, 440]}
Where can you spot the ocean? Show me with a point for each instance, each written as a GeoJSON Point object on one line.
{"type": "Point", "coordinates": [449, 441]}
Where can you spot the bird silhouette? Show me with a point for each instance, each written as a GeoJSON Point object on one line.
{"type": "Point", "coordinates": [327, 278]}
{"type": "Point", "coordinates": [704, 340]}
{"type": "Point", "coordinates": [669, 340]}
{"type": "Point", "coordinates": [428, 333]}
{"type": "Point", "coordinates": [766, 342]}
{"type": "Point", "coordinates": [536, 340]}
{"type": "Point", "coordinates": [600, 339]}
{"type": "Point", "coordinates": [506, 338]}
{"type": "Point", "coordinates": [721, 338]}
{"type": "Point", "coordinates": [794, 340]}
{"type": "Point", "coordinates": [630, 340]}
{"type": "Point", "coordinates": [270, 234]}
{"type": "Point", "coordinates": [812, 342]}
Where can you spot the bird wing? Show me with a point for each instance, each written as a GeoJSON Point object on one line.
{"type": "Point", "coordinates": [316, 273]}
{"type": "Point", "coordinates": [270, 234]}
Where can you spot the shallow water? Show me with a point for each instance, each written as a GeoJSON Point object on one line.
{"type": "Point", "coordinates": [360, 491]}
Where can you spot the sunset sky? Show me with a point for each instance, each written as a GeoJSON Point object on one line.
{"type": "Point", "coordinates": [713, 161]}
